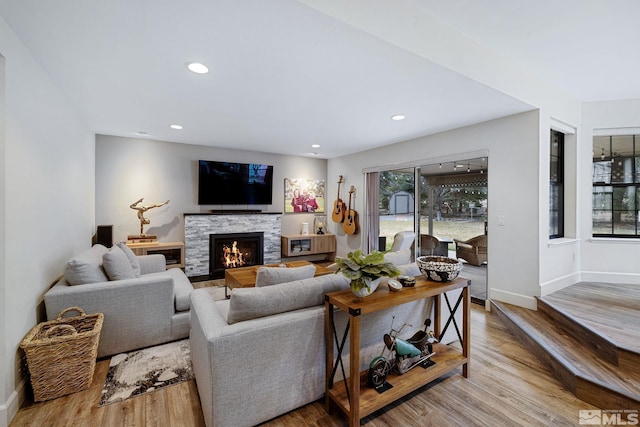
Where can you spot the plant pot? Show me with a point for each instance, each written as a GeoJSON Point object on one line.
{"type": "Point", "coordinates": [367, 291]}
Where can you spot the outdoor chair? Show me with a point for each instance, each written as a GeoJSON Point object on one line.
{"type": "Point", "coordinates": [402, 240]}
{"type": "Point", "coordinates": [428, 244]}
{"type": "Point", "coordinates": [474, 250]}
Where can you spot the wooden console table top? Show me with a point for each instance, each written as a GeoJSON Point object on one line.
{"type": "Point", "coordinates": [245, 277]}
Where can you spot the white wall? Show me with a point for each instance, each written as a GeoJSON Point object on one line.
{"type": "Point", "coordinates": [129, 168]}
{"type": "Point", "coordinates": [610, 260]}
{"type": "Point", "coordinates": [47, 196]}
{"type": "Point", "coordinates": [513, 146]}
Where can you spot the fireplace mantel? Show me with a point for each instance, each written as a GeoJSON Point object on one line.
{"type": "Point", "coordinates": [198, 227]}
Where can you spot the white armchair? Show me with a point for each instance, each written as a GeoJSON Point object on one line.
{"type": "Point", "coordinates": [403, 240]}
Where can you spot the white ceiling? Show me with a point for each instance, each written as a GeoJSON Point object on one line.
{"type": "Point", "coordinates": [285, 76]}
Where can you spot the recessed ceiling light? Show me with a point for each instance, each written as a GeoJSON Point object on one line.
{"type": "Point", "coordinates": [198, 68]}
{"type": "Point", "coordinates": [177, 127]}
{"type": "Point", "coordinates": [142, 133]}
{"type": "Point", "coordinates": [398, 117]}
{"type": "Point", "coordinates": [315, 145]}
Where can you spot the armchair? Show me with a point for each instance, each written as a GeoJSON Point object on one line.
{"type": "Point", "coordinates": [428, 244]}
{"type": "Point", "coordinates": [474, 250]}
{"type": "Point", "coordinates": [402, 240]}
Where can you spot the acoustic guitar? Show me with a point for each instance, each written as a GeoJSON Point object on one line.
{"type": "Point", "coordinates": [350, 224]}
{"type": "Point", "coordinates": [338, 206]}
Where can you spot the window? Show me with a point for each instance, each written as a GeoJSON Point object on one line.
{"type": "Point", "coordinates": [556, 185]}
{"type": "Point", "coordinates": [616, 186]}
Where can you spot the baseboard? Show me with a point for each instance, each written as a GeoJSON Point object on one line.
{"type": "Point", "coordinates": [513, 298]}
{"type": "Point", "coordinates": [559, 283]}
{"type": "Point", "coordinates": [608, 277]}
{"type": "Point", "coordinates": [9, 409]}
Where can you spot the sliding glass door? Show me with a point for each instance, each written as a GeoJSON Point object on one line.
{"type": "Point", "coordinates": [449, 203]}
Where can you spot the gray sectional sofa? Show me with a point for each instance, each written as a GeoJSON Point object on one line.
{"type": "Point", "coordinates": [262, 353]}
{"type": "Point", "coordinates": [143, 303]}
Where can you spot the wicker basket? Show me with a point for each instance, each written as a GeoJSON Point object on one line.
{"type": "Point", "coordinates": [61, 354]}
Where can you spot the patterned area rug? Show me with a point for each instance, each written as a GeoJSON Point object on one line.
{"type": "Point", "coordinates": [142, 371]}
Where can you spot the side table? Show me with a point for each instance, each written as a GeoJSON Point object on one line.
{"type": "Point", "coordinates": [352, 395]}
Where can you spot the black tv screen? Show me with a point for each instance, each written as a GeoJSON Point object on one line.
{"type": "Point", "coordinates": [224, 183]}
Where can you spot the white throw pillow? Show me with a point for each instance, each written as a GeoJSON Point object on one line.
{"type": "Point", "coordinates": [117, 265]}
{"type": "Point", "coordinates": [273, 275]}
{"type": "Point", "coordinates": [133, 259]}
{"type": "Point", "coordinates": [86, 267]}
{"type": "Point", "coordinates": [401, 257]}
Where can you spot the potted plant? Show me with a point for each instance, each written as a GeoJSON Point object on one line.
{"type": "Point", "coordinates": [365, 271]}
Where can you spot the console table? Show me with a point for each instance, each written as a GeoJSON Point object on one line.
{"type": "Point", "coordinates": [308, 244]}
{"type": "Point", "coordinates": [353, 396]}
{"type": "Point", "coordinates": [173, 251]}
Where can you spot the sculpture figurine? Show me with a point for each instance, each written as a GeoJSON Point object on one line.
{"type": "Point", "coordinates": [141, 210]}
{"type": "Point", "coordinates": [409, 353]}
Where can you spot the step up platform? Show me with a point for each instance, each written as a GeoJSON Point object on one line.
{"type": "Point", "coordinates": [589, 363]}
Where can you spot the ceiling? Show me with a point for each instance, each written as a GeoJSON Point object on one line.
{"type": "Point", "coordinates": [285, 76]}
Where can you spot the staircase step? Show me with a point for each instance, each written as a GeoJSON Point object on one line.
{"type": "Point", "coordinates": [590, 377]}
{"type": "Point", "coordinates": [610, 312]}
{"type": "Point", "coordinates": [590, 335]}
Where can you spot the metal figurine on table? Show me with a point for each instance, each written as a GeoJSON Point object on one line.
{"type": "Point", "coordinates": [409, 353]}
{"type": "Point", "coordinates": [141, 211]}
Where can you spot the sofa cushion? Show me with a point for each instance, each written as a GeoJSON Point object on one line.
{"type": "Point", "coordinates": [86, 267]}
{"type": "Point", "coordinates": [267, 276]}
{"type": "Point", "coordinates": [410, 269]}
{"type": "Point", "coordinates": [250, 303]}
{"type": "Point", "coordinates": [401, 257]}
{"type": "Point", "coordinates": [133, 259]}
{"type": "Point", "coordinates": [182, 287]}
{"type": "Point", "coordinates": [117, 265]}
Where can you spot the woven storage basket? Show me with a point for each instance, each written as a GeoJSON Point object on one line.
{"type": "Point", "coordinates": [61, 354]}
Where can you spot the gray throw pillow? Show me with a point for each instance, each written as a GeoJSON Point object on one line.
{"type": "Point", "coordinates": [117, 265]}
{"type": "Point", "coordinates": [86, 267]}
{"type": "Point", "coordinates": [267, 276]}
{"type": "Point", "coordinates": [133, 259]}
{"type": "Point", "coordinates": [251, 303]}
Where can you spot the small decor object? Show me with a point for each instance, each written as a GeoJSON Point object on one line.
{"type": "Point", "coordinates": [439, 268]}
{"type": "Point", "coordinates": [394, 285]}
{"type": "Point", "coordinates": [61, 354]}
{"type": "Point", "coordinates": [407, 281]}
{"type": "Point", "coordinates": [365, 271]}
{"type": "Point", "coordinates": [319, 224]}
{"type": "Point", "coordinates": [350, 224]}
{"type": "Point", "coordinates": [305, 229]}
{"type": "Point", "coordinates": [337, 215]}
{"type": "Point", "coordinates": [409, 353]}
{"type": "Point", "coordinates": [141, 211]}
{"type": "Point", "coordinates": [303, 195]}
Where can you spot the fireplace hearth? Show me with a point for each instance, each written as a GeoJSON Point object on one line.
{"type": "Point", "coordinates": [234, 250]}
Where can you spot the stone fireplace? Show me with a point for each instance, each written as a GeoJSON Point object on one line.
{"type": "Point", "coordinates": [234, 250]}
{"type": "Point", "coordinates": [199, 226]}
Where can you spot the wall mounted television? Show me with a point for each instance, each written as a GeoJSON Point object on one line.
{"type": "Point", "coordinates": [225, 183]}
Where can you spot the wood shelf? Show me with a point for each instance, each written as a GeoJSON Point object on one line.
{"type": "Point", "coordinates": [172, 251]}
{"type": "Point", "coordinates": [364, 399]}
{"type": "Point", "coordinates": [308, 244]}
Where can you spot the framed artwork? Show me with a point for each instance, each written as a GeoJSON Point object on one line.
{"type": "Point", "coordinates": [304, 195]}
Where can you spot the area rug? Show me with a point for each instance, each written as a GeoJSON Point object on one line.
{"type": "Point", "coordinates": [146, 370]}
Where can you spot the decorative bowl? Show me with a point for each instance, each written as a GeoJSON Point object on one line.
{"type": "Point", "coordinates": [407, 281]}
{"type": "Point", "coordinates": [439, 268]}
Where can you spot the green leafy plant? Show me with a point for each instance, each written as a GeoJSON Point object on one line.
{"type": "Point", "coordinates": [363, 269]}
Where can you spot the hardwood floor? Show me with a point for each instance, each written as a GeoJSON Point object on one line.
{"type": "Point", "coordinates": [507, 386]}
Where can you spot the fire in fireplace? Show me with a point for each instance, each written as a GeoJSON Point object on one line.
{"type": "Point", "coordinates": [234, 250]}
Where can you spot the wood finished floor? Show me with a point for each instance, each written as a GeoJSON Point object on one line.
{"type": "Point", "coordinates": [507, 386]}
{"type": "Point", "coordinates": [612, 309]}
